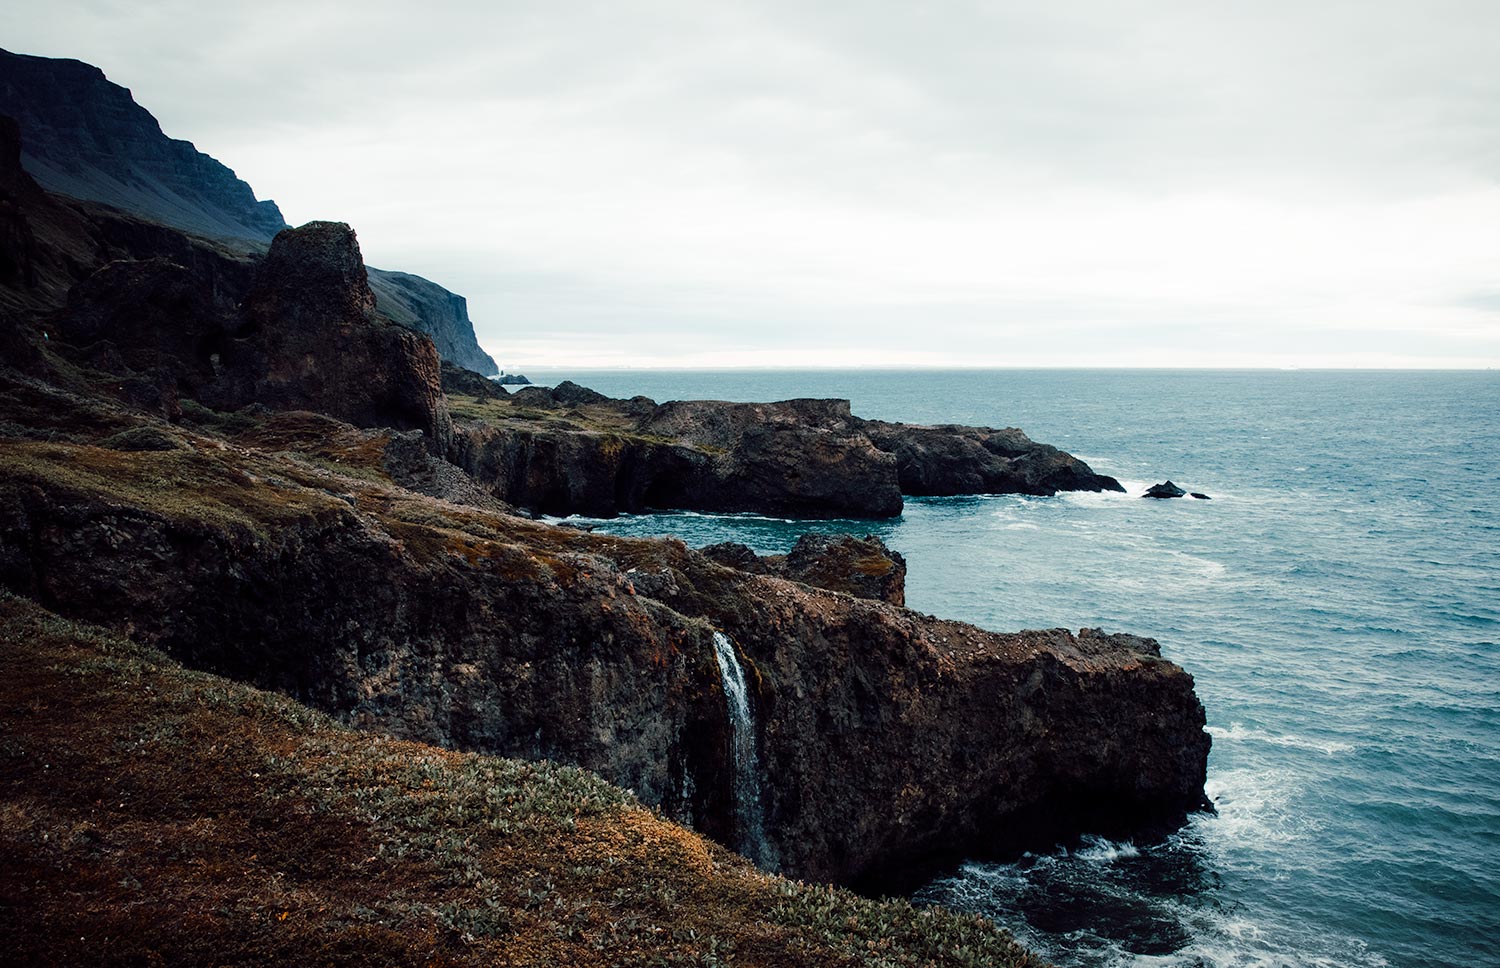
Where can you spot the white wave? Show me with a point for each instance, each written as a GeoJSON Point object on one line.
{"type": "Point", "coordinates": [1237, 732]}
{"type": "Point", "coordinates": [1220, 941]}
{"type": "Point", "coordinates": [1100, 850]}
{"type": "Point", "coordinates": [1254, 808]}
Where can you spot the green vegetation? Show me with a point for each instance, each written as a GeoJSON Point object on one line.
{"type": "Point", "coordinates": [154, 815]}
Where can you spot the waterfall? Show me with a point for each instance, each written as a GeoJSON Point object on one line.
{"type": "Point", "coordinates": [747, 806]}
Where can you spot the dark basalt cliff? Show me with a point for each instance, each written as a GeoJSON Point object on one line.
{"type": "Point", "coordinates": [309, 339]}
{"type": "Point", "coordinates": [887, 741]}
{"type": "Point", "coordinates": [86, 138]}
{"type": "Point", "coordinates": [426, 306]}
{"type": "Point", "coordinates": [569, 450]}
{"type": "Point", "coordinates": [290, 549]}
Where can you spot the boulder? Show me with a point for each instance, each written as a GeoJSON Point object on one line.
{"type": "Point", "coordinates": [570, 394]}
{"type": "Point", "coordinates": [732, 554]}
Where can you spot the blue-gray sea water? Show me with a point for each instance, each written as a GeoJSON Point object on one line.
{"type": "Point", "coordinates": [1337, 601]}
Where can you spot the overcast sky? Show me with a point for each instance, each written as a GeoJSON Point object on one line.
{"type": "Point", "coordinates": [1174, 182]}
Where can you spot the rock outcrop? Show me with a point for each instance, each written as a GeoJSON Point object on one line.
{"type": "Point", "coordinates": [1164, 490]}
{"type": "Point", "coordinates": [887, 741]}
{"type": "Point", "coordinates": [85, 137]}
{"type": "Point", "coordinates": [862, 567]}
{"type": "Point", "coordinates": [457, 379]}
{"type": "Point", "coordinates": [948, 459]}
{"type": "Point", "coordinates": [310, 340]}
{"type": "Point", "coordinates": [570, 450]}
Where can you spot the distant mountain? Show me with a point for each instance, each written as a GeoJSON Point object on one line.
{"type": "Point", "coordinates": [424, 305]}
{"type": "Point", "coordinates": [86, 137]}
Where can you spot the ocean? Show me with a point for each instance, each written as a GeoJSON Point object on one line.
{"type": "Point", "coordinates": [1337, 601]}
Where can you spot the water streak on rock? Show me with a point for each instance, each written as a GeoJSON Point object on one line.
{"type": "Point", "coordinates": [749, 815]}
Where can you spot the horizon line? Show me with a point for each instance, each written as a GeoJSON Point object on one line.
{"type": "Point", "coordinates": [952, 368]}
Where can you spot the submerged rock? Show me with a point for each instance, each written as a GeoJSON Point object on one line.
{"type": "Point", "coordinates": [1164, 490]}
{"type": "Point", "coordinates": [1201, 496]}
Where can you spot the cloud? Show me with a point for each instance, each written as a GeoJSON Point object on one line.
{"type": "Point", "coordinates": [672, 182]}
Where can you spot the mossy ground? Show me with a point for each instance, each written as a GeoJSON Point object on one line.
{"type": "Point", "coordinates": [154, 815]}
{"type": "Point", "coordinates": [602, 419]}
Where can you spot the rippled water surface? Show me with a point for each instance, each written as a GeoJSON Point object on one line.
{"type": "Point", "coordinates": [1338, 601]}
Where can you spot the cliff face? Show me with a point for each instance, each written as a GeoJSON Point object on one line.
{"type": "Point", "coordinates": [85, 137]}
{"type": "Point", "coordinates": [569, 450]}
{"type": "Point", "coordinates": [429, 308]}
{"type": "Point", "coordinates": [276, 836]}
{"type": "Point", "coordinates": [309, 339]}
{"type": "Point", "coordinates": [880, 741]}
{"type": "Point", "coordinates": [829, 736]}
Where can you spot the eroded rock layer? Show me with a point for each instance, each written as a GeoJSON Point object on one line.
{"type": "Point", "coordinates": [293, 549]}
{"type": "Point", "coordinates": [888, 740]}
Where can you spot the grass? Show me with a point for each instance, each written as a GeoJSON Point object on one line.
{"type": "Point", "coordinates": [154, 815]}
{"type": "Point", "coordinates": [202, 484]}
{"type": "Point", "coordinates": [612, 423]}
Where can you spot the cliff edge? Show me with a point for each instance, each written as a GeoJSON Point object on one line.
{"type": "Point", "coordinates": [85, 137]}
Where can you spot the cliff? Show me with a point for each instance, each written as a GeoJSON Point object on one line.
{"type": "Point", "coordinates": [830, 736]}
{"type": "Point", "coordinates": [159, 816]}
{"type": "Point", "coordinates": [427, 307]}
{"type": "Point", "coordinates": [569, 450]}
{"type": "Point", "coordinates": [308, 338]}
{"type": "Point", "coordinates": [86, 138]}
{"type": "Point", "coordinates": [886, 740]}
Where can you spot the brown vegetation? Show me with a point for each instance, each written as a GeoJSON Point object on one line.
{"type": "Point", "coordinates": [154, 815]}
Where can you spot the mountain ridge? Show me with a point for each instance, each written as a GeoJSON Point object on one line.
{"type": "Point", "coordinates": [86, 137]}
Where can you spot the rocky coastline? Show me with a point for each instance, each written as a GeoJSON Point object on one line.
{"type": "Point", "coordinates": [569, 450]}
{"type": "Point", "coordinates": [235, 457]}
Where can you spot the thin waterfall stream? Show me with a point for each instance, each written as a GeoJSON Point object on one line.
{"type": "Point", "coordinates": [749, 814]}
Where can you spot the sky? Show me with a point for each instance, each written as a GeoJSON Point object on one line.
{"type": "Point", "coordinates": [828, 183]}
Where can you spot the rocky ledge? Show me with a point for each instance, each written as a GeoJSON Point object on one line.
{"type": "Point", "coordinates": [862, 567]}
{"type": "Point", "coordinates": [569, 450]}
{"type": "Point", "coordinates": [880, 742]}
{"type": "Point", "coordinates": [161, 474]}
